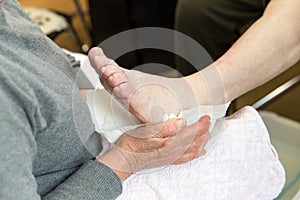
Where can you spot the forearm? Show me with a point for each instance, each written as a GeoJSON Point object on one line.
{"type": "Point", "coordinates": [91, 181]}
{"type": "Point", "coordinates": [269, 47]}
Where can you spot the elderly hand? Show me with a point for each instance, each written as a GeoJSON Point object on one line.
{"type": "Point", "coordinates": [155, 145]}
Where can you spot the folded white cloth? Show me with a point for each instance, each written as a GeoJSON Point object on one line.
{"type": "Point", "coordinates": [243, 165]}
{"type": "Point", "coordinates": [112, 120]}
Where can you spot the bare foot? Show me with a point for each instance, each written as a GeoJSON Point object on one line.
{"type": "Point", "coordinates": [147, 96]}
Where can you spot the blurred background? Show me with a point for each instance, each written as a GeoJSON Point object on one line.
{"type": "Point", "coordinates": [89, 22]}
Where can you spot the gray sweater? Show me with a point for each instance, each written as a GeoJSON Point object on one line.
{"type": "Point", "coordinates": [45, 125]}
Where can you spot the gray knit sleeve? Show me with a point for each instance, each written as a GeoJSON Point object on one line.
{"type": "Point", "coordinates": [18, 149]}
{"type": "Point", "coordinates": [92, 181]}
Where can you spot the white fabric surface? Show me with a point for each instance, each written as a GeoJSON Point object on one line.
{"type": "Point", "coordinates": [112, 120]}
{"type": "Point", "coordinates": [243, 165]}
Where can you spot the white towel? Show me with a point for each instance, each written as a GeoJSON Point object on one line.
{"type": "Point", "coordinates": [243, 165]}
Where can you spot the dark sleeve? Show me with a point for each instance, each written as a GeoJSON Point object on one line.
{"type": "Point", "coordinates": [17, 153]}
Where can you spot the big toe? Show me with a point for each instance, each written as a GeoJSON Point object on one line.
{"type": "Point", "coordinates": [98, 59]}
{"type": "Point", "coordinates": [96, 51]}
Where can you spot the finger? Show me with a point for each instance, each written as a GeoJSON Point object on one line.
{"type": "Point", "coordinates": [153, 144]}
{"type": "Point", "coordinates": [173, 151]}
{"type": "Point", "coordinates": [187, 157]}
{"type": "Point", "coordinates": [159, 130]}
{"type": "Point", "coordinates": [204, 141]}
{"type": "Point", "coordinates": [140, 145]}
{"type": "Point", "coordinates": [193, 152]}
{"type": "Point", "coordinates": [198, 128]}
{"type": "Point", "coordinates": [190, 134]}
{"type": "Point", "coordinates": [204, 118]}
{"type": "Point", "coordinates": [203, 123]}
{"type": "Point", "coordinates": [196, 147]}
{"type": "Point", "coordinates": [171, 127]}
{"type": "Point", "coordinates": [201, 140]}
{"type": "Point", "coordinates": [182, 141]}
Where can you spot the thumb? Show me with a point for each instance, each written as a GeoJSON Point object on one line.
{"type": "Point", "coordinates": [171, 127]}
{"type": "Point", "coordinates": [168, 128]}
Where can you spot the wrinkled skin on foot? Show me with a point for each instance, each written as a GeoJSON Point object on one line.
{"type": "Point", "coordinates": [147, 96]}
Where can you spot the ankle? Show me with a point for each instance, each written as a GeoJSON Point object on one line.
{"type": "Point", "coordinates": [207, 86]}
{"type": "Point", "coordinates": [200, 90]}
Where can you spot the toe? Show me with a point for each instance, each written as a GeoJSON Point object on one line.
{"type": "Point", "coordinates": [98, 59]}
{"type": "Point", "coordinates": [106, 85]}
{"type": "Point", "coordinates": [124, 90]}
{"type": "Point", "coordinates": [116, 79]}
{"type": "Point", "coordinates": [96, 51]}
{"type": "Point", "coordinates": [108, 70]}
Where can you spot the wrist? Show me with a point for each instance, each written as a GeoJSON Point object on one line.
{"type": "Point", "coordinates": [116, 161]}
{"type": "Point", "coordinates": [122, 175]}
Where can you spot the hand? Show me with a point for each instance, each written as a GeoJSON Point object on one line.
{"type": "Point", "coordinates": [155, 145]}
